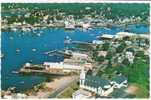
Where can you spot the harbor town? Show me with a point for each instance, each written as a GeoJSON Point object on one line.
{"type": "Point", "coordinates": [53, 52]}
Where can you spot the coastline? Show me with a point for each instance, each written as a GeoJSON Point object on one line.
{"type": "Point", "coordinates": [56, 25]}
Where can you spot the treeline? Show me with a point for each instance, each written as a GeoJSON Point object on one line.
{"type": "Point", "coordinates": [113, 11]}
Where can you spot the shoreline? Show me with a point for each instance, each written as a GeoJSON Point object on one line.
{"type": "Point", "coordinates": [20, 27]}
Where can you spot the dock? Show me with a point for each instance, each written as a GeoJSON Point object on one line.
{"type": "Point", "coordinates": [81, 42]}
{"type": "Point", "coordinates": [64, 53]}
{"type": "Point", "coordinates": [39, 69]}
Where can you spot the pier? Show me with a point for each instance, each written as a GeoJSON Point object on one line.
{"type": "Point", "coordinates": [65, 53]}
{"type": "Point", "coordinates": [29, 69]}
{"type": "Point", "coordinates": [50, 68]}
{"type": "Point", "coordinates": [81, 42]}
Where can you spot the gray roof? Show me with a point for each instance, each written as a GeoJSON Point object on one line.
{"type": "Point", "coordinates": [119, 79]}
{"type": "Point", "coordinates": [95, 81]}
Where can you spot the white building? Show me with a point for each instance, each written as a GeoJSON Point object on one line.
{"type": "Point", "coordinates": [97, 42]}
{"type": "Point", "coordinates": [102, 53]}
{"type": "Point", "coordinates": [107, 36]}
{"type": "Point", "coordinates": [86, 25]}
{"type": "Point", "coordinates": [130, 56]}
{"type": "Point", "coordinates": [79, 56]}
{"type": "Point", "coordinates": [69, 25]}
{"type": "Point", "coordinates": [61, 66]}
{"type": "Point", "coordinates": [81, 94]}
{"type": "Point", "coordinates": [15, 96]}
{"type": "Point", "coordinates": [128, 34]}
{"type": "Point", "coordinates": [95, 84]}
{"type": "Point", "coordinates": [124, 34]}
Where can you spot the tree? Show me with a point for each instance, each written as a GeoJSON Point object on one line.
{"type": "Point", "coordinates": [139, 54]}
{"type": "Point", "coordinates": [105, 46]}
{"type": "Point", "coordinates": [109, 55]}
{"type": "Point", "coordinates": [100, 59]}
{"type": "Point", "coordinates": [121, 47]}
{"type": "Point", "coordinates": [125, 61]}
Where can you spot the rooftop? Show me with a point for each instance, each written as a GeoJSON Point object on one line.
{"type": "Point", "coordinates": [119, 79]}
{"type": "Point", "coordinates": [95, 81]}
{"type": "Point", "coordinates": [81, 94]}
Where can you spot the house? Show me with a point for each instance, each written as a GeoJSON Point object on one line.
{"type": "Point", "coordinates": [129, 55]}
{"type": "Point", "coordinates": [121, 35]}
{"type": "Point", "coordinates": [27, 65]}
{"type": "Point", "coordinates": [95, 84]}
{"type": "Point", "coordinates": [119, 81]}
{"type": "Point", "coordinates": [86, 25]}
{"type": "Point", "coordinates": [98, 42]}
{"type": "Point", "coordinates": [81, 93]}
{"type": "Point", "coordinates": [69, 25]}
{"type": "Point", "coordinates": [107, 37]}
{"type": "Point", "coordinates": [102, 53]}
{"type": "Point", "coordinates": [15, 96]}
{"type": "Point", "coordinates": [79, 56]}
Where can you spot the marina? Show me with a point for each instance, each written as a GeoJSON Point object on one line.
{"type": "Point", "coordinates": [76, 50]}
{"type": "Point", "coordinates": [41, 47]}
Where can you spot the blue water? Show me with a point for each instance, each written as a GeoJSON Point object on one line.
{"type": "Point", "coordinates": [50, 39]}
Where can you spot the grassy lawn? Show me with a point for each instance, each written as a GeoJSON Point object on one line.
{"type": "Point", "coordinates": [67, 93]}
{"type": "Point", "coordinates": [140, 91]}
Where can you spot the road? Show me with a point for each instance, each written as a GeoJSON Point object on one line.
{"type": "Point", "coordinates": [63, 86]}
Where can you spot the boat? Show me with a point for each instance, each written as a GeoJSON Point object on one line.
{"type": "Point", "coordinates": [67, 40]}
{"type": "Point", "coordinates": [39, 34]}
{"type": "Point", "coordinates": [15, 72]}
{"type": "Point", "coordinates": [17, 50]}
{"type": "Point", "coordinates": [22, 82]}
{"type": "Point", "coordinates": [2, 55]}
{"type": "Point", "coordinates": [11, 38]}
{"type": "Point", "coordinates": [33, 49]}
{"type": "Point", "coordinates": [66, 53]}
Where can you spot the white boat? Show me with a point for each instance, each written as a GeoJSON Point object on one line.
{"type": "Point", "coordinates": [14, 72]}
{"type": "Point", "coordinates": [33, 49]}
{"type": "Point", "coordinates": [17, 50]}
{"type": "Point", "coordinates": [39, 34]}
{"type": "Point", "coordinates": [2, 55]}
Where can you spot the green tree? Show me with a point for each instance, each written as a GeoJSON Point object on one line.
{"type": "Point", "coordinates": [105, 46]}
{"type": "Point", "coordinates": [121, 47]}
{"type": "Point", "coordinates": [100, 59]}
{"type": "Point", "coordinates": [125, 62]}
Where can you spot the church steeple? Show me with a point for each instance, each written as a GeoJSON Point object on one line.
{"type": "Point", "coordinates": [82, 76]}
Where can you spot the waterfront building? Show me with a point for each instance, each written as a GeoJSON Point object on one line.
{"type": "Point", "coordinates": [69, 25]}
{"type": "Point", "coordinates": [15, 96]}
{"type": "Point", "coordinates": [107, 37]}
{"type": "Point", "coordinates": [61, 67]}
{"type": "Point", "coordinates": [79, 56]}
{"type": "Point", "coordinates": [98, 42]}
{"type": "Point", "coordinates": [120, 35]}
{"type": "Point", "coordinates": [27, 65]}
{"type": "Point", "coordinates": [86, 25]}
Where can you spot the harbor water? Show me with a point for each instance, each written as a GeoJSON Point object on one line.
{"type": "Point", "coordinates": [21, 47]}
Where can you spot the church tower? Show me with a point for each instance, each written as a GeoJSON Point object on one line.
{"type": "Point", "coordinates": [82, 77]}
